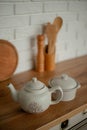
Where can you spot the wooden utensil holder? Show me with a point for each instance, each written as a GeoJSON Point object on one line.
{"type": "Point", "coordinates": [49, 60]}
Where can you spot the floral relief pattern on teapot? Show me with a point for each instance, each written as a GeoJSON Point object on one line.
{"type": "Point", "coordinates": [34, 107]}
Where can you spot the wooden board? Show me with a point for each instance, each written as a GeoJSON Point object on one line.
{"type": "Point", "coordinates": [8, 59]}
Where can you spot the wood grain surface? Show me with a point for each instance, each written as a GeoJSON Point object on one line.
{"type": "Point", "coordinates": [12, 117]}
{"type": "Point", "coordinates": [8, 59]}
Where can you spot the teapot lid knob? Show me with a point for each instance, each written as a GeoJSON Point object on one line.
{"type": "Point", "coordinates": [64, 76]}
{"type": "Point", "coordinates": [34, 79]}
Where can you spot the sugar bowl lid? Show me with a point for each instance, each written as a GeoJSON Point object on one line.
{"type": "Point", "coordinates": [64, 81]}
{"type": "Point", "coordinates": [35, 86]}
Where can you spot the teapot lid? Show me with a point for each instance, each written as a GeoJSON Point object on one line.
{"type": "Point", "coordinates": [64, 81]}
{"type": "Point", "coordinates": [35, 86]}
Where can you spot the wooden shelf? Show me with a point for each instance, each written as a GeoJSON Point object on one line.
{"type": "Point", "coordinates": [12, 117]}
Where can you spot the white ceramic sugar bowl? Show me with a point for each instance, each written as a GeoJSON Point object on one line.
{"type": "Point", "coordinates": [68, 85]}
{"type": "Point", "coordinates": [35, 97]}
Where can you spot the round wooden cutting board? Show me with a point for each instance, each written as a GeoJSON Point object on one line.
{"type": "Point", "coordinates": [8, 59]}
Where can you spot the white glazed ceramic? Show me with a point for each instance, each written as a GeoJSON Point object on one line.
{"type": "Point", "coordinates": [35, 97]}
{"type": "Point", "coordinates": [68, 84]}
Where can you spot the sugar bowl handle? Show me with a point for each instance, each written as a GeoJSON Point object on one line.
{"type": "Point", "coordinates": [56, 94]}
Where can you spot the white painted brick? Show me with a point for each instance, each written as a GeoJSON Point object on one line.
{"type": "Point", "coordinates": [77, 6]}
{"type": "Point", "coordinates": [80, 44]}
{"type": "Point", "coordinates": [85, 26]}
{"type": "Point", "coordinates": [24, 66]}
{"type": "Point", "coordinates": [25, 60]}
{"type": "Point", "coordinates": [44, 0]}
{"type": "Point", "coordinates": [74, 26]}
{"type": "Point", "coordinates": [67, 16]}
{"type": "Point", "coordinates": [78, 27]}
{"type": "Point", "coordinates": [55, 6]}
{"type": "Point", "coordinates": [25, 56]}
{"type": "Point", "coordinates": [14, 0]}
{"type": "Point", "coordinates": [6, 9]}
{"type": "Point", "coordinates": [22, 44]}
{"type": "Point", "coordinates": [85, 44]}
{"type": "Point", "coordinates": [82, 34]}
{"type": "Point", "coordinates": [28, 7]}
{"type": "Point", "coordinates": [83, 16]}
{"type": "Point", "coordinates": [42, 18]}
{"type": "Point", "coordinates": [81, 50]}
{"type": "Point", "coordinates": [66, 36]}
{"type": "Point", "coordinates": [77, 47]}
{"type": "Point", "coordinates": [26, 45]}
{"type": "Point", "coordinates": [73, 46]}
{"type": "Point", "coordinates": [67, 49]}
{"type": "Point", "coordinates": [64, 55]}
{"type": "Point", "coordinates": [6, 34]}
{"type": "Point", "coordinates": [13, 21]}
{"type": "Point", "coordinates": [60, 46]}
{"type": "Point", "coordinates": [30, 31]}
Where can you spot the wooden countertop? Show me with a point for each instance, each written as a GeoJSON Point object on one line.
{"type": "Point", "coordinates": [12, 117]}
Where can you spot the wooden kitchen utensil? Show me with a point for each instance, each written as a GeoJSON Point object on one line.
{"type": "Point", "coordinates": [50, 31]}
{"type": "Point", "coordinates": [8, 59]}
{"type": "Point", "coordinates": [58, 24]}
{"type": "Point", "coordinates": [40, 54]}
{"type": "Point", "coordinates": [58, 21]}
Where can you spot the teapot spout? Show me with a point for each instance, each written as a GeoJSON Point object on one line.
{"type": "Point", "coordinates": [14, 93]}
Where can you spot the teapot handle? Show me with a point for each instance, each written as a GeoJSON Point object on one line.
{"type": "Point", "coordinates": [58, 90]}
{"type": "Point", "coordinates": [78, 85]}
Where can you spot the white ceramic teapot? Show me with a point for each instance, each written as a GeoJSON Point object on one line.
{"type": "Point", "coordinates": [35, 97]}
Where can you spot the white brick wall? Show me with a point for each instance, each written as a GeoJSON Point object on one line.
{"type": "Point", "coordinates": [6, 33]}
{"type": "Point", "coordinates": [78, 6]}
{"type": "Point", "coordinates": [6, 9]}
{"type": "Point", "coordinates": [29, 31]}
{"type": "Point", "coordinates": [28, 8]}
{"type": "Point", "coordinates": [55, 6]}
{"type": "Point", "coordinates": [22, 20]}
{"type": "Point", "coordinates": [14, 21]}
{"type": "Point", "coordinates": [42, 18]}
